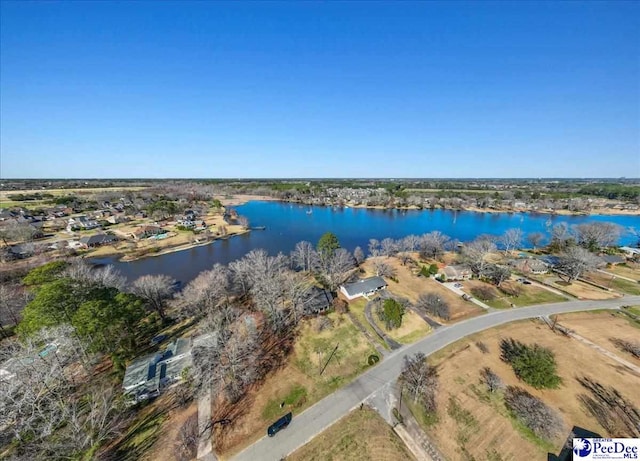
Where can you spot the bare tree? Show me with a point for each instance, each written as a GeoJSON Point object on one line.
{"type": "Point", "coordinates": [535, 239]}
{"type": "Point", "coordinates": [155, 290]}
{"type": "Point", "coordinates": [497, 274]}
{"type": "Point", "coordinates": [243, 221]}
{"type": "Point", "coordinates": [420, 380]}
{"type": "Point", "coordinates": [305, 256]}
{"type": "Point", "coordinates": [107, 276]}
{"type": "Point", "coordinates": [336, 269]}
{"type": "Point", "coordinates": [542, 420]}
{"type": "Point", "coordinates": [15, 231]}
{"type": "Point", "coordinates": [491, 380]}
{"type": "Point", "coordinates": [411, 243]}
{"type": "Point", "coordinates": [596, 235]}
{"type": "Point", "coordinates": [630, 347]}
{"type": "Point", "coordinates": [388, 247]}
{"type": "Point", "coordinates": [575, 261]}
{"type": "Point", "coordinates": [511, 239]}
{"type": "Point", "coordinates": [475, 254]}
{"type": "Point", "coordinates": [374, 247]}
{"type": "Point", "coordinates": [13, 299]}
{"type": "Point", "coordinates": [433, 244]}
{"type": "Point", "coordinates": [383, 269]}
{"type": "Point", "coordinates": [358, 255]}
{"type": "Point", "coordinates": [205, 292]}
{"type": "Point", "coordinates": [433, 304]}
{"type": "Point", "coordinates": [187, 444]}
{"type": "Point", "coordinates": [560, 235]}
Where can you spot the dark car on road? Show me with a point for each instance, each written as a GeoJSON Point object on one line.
{"type": "Point", "coordinates": [279, 425]}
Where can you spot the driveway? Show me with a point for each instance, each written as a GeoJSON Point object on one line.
{"type": "Point", "coordinates": [323, 414]}
{"type": "Point", "coordinates": [452, 286]}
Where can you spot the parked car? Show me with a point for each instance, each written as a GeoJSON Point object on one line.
{"type": "Point", "coordinates": [279, 425]}
{"type": "Point", "coordinates": [458, 285]}
{"type": "Point", "coordinates": [158, 339]}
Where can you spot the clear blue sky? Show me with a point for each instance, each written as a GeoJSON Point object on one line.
{"type": "Point", "coordinates": [301, 89]}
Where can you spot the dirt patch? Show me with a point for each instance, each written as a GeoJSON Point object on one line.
{"type": "Point", "coordinates": [411, 286]}
{"type": "Point", "coordinates": [168, 439]}
{"type": "Point", "coordinates": [459, 367]}
{"type": "Point", "coordinates": [360, 436]}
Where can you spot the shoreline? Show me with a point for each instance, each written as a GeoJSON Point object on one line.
{"type": "Point", "coordinates": [128, 257]}
{"type": "Point", "coordinates": [243, 199]}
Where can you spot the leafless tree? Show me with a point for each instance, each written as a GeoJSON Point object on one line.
{"type": "Point", "coordinates": [243, 221]}
{"type": "Point", "coordinates": [383, 269]}
{"type": "Point", "coordinates": [411, 243]}
{"type": "Point", "coordinates": [305, 256]}
{"type": "Point", "coordinates": [15, 231]}
{"type": "Point", "coordinates": [433, 244]}
{"type": "Point", "coordinates": [575, 261]}
{"type": "Point", "coordinates": [420, 380]}
{"type": "Point", "coordinates": [560, 235]}
{"type": "Point", "coordinates": [156, 290]}
{"type": "Point", "coordinates": [496, 274]}
{"type": "Point", "coordinates": [204, 293]}
{"type": "Point", "coordinates": [404, 257]}
{"type": "Point", "coordinates": [358, 255]}
{"type": "Point", "coordinates": [511, 239]}
{"type": "Point", "coordinates": [13, 299]}
{"type": "Point", "coordinates": [596, 235]}
{"type": "Point", "coordinates": [491, 380]}
{"type": "Point", "coordinates": [107, 276]}
{"type": "Point", "coordinates": [388, 247]}
{"type": "Point", "coordinates": [336, 269]}
{"type": "Point", "coordinates": [535, 239]}
{"type": "Point", "coordinates": [630, 347]}
{"type": "Point", "coordinates": [296, 289]}
{"type": "Point", "coordinates": [433, 304]}
{"type": "Point", "coordinates": [475, 254]}
{"type": "Point", "coordinates": [374, 247]}
{"type": "Point", "coordinates": [542, 420]}
{"type": "Point", "coordinates": [187, 443]}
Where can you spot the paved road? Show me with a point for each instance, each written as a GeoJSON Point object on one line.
{"type": "Point", "coordinates": [315, 419]}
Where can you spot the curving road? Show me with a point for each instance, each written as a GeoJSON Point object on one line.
{"type": "Point", "coordinates": [315, 419]}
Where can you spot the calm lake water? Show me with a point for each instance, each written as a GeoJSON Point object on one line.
{"type": "Point", "coordinates": [288, 224]}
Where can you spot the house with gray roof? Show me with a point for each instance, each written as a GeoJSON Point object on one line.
{"type": "Point", "coordinates": [457, 272]}
{"type": "Point", "coordinates": [97, 240]}
{"type": "Point", "coordinates": [146, 376]}
{"type": "Point", "coordinates": [363, 287]}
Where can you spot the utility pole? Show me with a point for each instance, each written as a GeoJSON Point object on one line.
{"type": "Point", "coordinates": [329, 359]}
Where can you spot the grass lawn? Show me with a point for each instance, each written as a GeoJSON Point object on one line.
{"type": "Point", "coordinates": [615, 283]}
{"type": "Point", "coordinates": [360, 436]}
{"type": "Point", "coordinates": [529, 295]}
{"type": "Point", "coordinates": [412, 329]}
{"type": "Point", "coordinates": [357, 309]}
{"type": "Point", "coordinates": [299, 383]}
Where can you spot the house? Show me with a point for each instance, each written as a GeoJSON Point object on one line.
{"type": "Point", "coordinates": [148, 231]}
{"type": "Point", "coordinates": [630, 252]}
{"type": "Point", "coordinates": [146, 376]}
{"type": "Point", "coordinates": [457, 272]}
{"type": "Point", "coordinates": [117, 219]}
{"type": "Point", "coordinates": [98, 240]}
{"type": "Point", "coordinates": [363, 287]}
{"type": "Point", "coordinates": [22, 250]}
{"type": "Point", "coordinates": [319, 301]}
{"type": "Point", "coordinates": [81, 223]}
{"type": "Point", "coordinates": [530, 266]}
{"type": "Point", "coordinates": [613, 259]}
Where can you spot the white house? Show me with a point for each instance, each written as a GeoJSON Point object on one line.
{"type": "Point", "coordinates": [363, 287]}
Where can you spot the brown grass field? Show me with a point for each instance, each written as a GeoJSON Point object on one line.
{"type": "Point", "coordinates": [411, 286]}
{"type": "Point", "coordinates": [613, 282]}
{"type": "Point", "coordinates": [529, 294]}
{"type": "Point", "coordinates": [360, 436]}
{"type": "Point", "coordinates": [629, 270]}
{"type": "Point", "coordinates": [488, 431]}
{"type": "Point", "coordinates": [581, 290]}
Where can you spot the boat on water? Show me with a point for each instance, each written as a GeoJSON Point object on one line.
{"type": "Point", "coordinates": [309, 211]}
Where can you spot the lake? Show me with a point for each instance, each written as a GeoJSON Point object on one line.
{"type": "Point", "coordinates": [286, 224]}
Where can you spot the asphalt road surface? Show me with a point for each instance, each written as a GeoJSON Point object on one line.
{"type": "Point", "coordinates": [323, 414]}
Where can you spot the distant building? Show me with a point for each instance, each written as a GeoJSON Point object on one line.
{"type": "Point", "coordinates": [363, 287]}
{"type": "Point", "coordinates": [457, 272]}
{"type": "Point", "coordinates": [630, 252]}
{"type": "Point", "coordinates": [98, 240]}
{"type": "Point", "coordinates": [530, 266]}
{"type": "Point", "coordinates": [146, 376]}
{"type": "Point", "coordinates": [81, 223]}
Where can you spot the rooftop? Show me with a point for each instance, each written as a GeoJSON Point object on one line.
{"type": "Point", "coordinates": [364, 286]}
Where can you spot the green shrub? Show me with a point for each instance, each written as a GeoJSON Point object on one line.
{"type": "Point", "coordinates": [535, 365]}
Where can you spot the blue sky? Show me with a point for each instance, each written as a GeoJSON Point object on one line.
{"type": "Point", "coordinates": [302, 89]}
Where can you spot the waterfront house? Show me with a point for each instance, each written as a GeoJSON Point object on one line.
{"type": "Point", "coordinates": [147, 376]}
{"type": "Point", "coordinates": [457, 272]}
{"type": "Point", "coordinates": [530, 266]}
{"type": "Point", "coordinates": [364, 287]}
{"type": "Point", "coordinates": [630, 252]}
{"type": "Point", "coordinates": [97, 240]}
{"type": "Point", "coordinates": [148, 231]}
